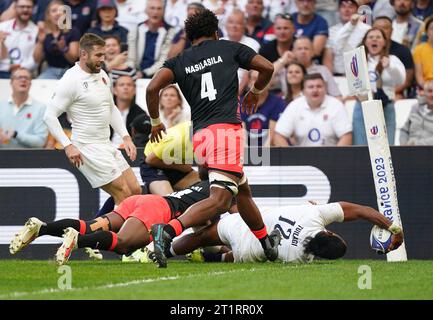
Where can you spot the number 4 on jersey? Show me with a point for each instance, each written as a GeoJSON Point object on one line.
{"type": "Point", "coordinates": [207, 88]}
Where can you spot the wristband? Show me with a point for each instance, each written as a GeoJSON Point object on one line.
{"type": "Point", "coordinates": [155, 122]}
{"type": "Point", "coordinates": [255, 91]}
{"type": "Point", "coordinates": [394, 228]}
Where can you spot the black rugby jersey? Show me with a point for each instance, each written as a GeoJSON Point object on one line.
{"type": "Point", "coordinates": [207, 76]}
{"type": "Point", "coordinates": [181, 200]}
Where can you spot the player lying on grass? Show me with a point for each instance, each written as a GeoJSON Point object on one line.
{"type": "Point", "coordinates": [302, 229]}
{"type": "Point", "coordinates": [123, 230]}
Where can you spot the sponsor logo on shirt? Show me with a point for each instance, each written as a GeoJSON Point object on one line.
{"type": "Point", "coordinates": [314, 135]}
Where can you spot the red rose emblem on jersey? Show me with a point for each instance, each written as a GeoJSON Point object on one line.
{"type": "Point", "coordinates": [29, 115]}
{"type": "Point", "coordinates": [325, 117]}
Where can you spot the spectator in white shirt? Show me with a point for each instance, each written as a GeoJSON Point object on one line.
{"type": "Point", "coordinates": [336, 45]}
{"type": "Point", "coordinates": [221, 8]}
{"type": "Point", "coordinates": [17, 40]}
{"type": "Point", "coordinates": [315, 119]}
{"type": "Point", "coordinates": [175, 13]}
{"type": "Point", "coordinates": [130, 13]}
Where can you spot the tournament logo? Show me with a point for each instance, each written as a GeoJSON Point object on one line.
{"type": "Point", "coordinates": [85, 85]}
{"type": "Point", "coordinates": [374, 130]}
{"type": "Point", "coordinates": [354, 66]}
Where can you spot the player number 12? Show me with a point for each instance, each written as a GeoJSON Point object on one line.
{"type": "Point", "coordinates": [207, 87]}
{"type": "Point", "coordinates": [289, 231]}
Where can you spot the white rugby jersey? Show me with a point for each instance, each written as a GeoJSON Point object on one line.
{"type": "Point", "coordinates": [87, 99]}
{"type": "Point", "coordinates": [20, 44]}
{"type": "Point", "coordinates": [323, 126]}
{"type": "Point", "coordinates": [296, 224]}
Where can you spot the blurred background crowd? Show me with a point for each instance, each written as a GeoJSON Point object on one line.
{"type": "Point", "coordinates": [305, 40]}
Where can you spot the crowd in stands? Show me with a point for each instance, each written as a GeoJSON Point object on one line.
{"type": "Point", "coordinates": [304, 39]}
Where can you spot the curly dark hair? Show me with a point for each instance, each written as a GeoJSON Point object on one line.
{"type": "Point", "coordinates": [202, 24]}
{"type": "Point", "coordinates": [326, 246]}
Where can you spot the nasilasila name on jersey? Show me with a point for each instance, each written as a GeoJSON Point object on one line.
{"type": "Point", "coordinates": [203, 64]}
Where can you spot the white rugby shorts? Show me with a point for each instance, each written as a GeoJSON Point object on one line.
{"type": "Point", "coordinates": [102, 163]}
{"type": "Point", "coordinates": [234, 232]}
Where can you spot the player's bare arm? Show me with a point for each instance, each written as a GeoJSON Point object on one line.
{"type": "Point", "coordinates": [160, 80]}
{"type": "Point", "coordinates": [355, 212]}
{"type": "Point", "coordinates": [266, 70]}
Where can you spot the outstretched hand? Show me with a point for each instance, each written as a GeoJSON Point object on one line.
{"type": "Point", "coordinates": [396, 241]}
{"type": "Point", "coordinates": [156, 132]}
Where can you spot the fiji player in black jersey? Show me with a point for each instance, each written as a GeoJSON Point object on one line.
{"type": "Point", "coordinates": [207, 76]}
{"type": "Point", "coordinates": [123, 230]}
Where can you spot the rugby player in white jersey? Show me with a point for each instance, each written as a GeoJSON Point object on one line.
{"type": "Point", "coordinates": [84, 92]}
{"type": "Point", "coordinates": [303, 231]}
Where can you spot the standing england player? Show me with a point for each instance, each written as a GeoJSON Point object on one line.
{"type": "Point", "coordinates": [207, 76]}
{"type": "Point", "coordinates": [84, 93]}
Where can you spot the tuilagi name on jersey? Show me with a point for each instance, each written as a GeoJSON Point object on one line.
{"type": "Point", "coordinates": [203, 64]}
{"type": "Point", "coordinates": [295, 238]}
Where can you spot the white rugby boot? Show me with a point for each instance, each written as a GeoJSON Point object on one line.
{"type": "Point", "coordinates": [26, 235]}
{"type": "Point", "coordinates": [70, 239]}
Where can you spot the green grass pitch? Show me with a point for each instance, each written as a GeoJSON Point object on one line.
{"type": "Point", "coordinates": [111, 279]}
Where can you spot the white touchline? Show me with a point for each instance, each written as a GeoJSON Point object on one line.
{"type": "Point", "coordinates": [130, 283]}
